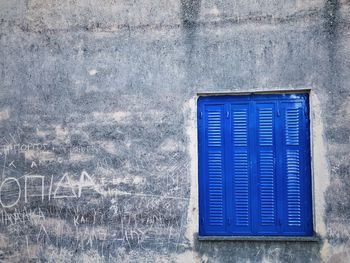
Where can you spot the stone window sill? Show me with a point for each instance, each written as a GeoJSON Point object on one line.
{"type": "Point", "coordinates": [260, 238]}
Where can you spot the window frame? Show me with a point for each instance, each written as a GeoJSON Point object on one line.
{"type": "Point", "coordinates": [277, 93]}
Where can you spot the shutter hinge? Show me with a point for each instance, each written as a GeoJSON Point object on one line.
{"type": "Point", "coordinates": [227, 114]}
{"type": "Point", "coordinates": [202, 220]}
{"type": "Point", "coordinates": [278, 109]}
{"type": "Point", "coordinates": [228, 221]}
{"type": "Point", "coordinates": [200, 115]}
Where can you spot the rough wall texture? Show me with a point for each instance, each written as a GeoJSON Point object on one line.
{"type": "Point", "coordinates": [95, 154]}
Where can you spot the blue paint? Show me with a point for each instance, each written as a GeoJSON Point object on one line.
{"type": "Point", "coordinates": [254, 165]}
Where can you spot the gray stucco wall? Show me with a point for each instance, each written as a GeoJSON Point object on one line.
{"type": "Point", "coordinates": [97, 122]}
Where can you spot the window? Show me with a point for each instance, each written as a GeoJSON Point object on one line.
{"type": "Point", "coordinates": [254, 165]}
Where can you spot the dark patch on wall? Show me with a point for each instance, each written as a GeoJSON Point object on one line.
{"type": "Point", "coordinates": [331, 27]}
{"type": "Point", "coordinates": [331, 16]}
{"type": "Point", "coordinates": [339, 134]}
{"type": "Point", "coordinates": [337, 216]}
{"type": "Point", "coordinates": [190, 10]}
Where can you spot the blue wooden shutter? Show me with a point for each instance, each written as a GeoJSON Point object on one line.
{"type": "Point", "coordinates": [213, 214]}
{"type": "Point", "coordinates": [241, 174]}
{"type": "Point", "coordinates": [265, 181]}
{"type": "Point", "coordinates": [296, 180]}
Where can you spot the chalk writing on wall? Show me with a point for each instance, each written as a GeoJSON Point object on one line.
{"type": "Point", "coordinates": [44, 147]}
{"type": "Point", "coordinates": [63, 188]}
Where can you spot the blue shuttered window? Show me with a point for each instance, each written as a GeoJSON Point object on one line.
{"type": "Point", "coordinates": [254, 165]}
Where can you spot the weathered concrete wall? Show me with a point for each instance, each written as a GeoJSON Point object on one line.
{"type": "Point", "coordinates": [97, 122]}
